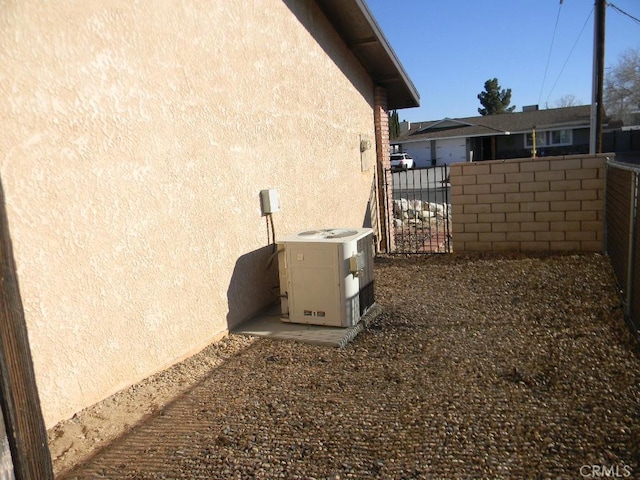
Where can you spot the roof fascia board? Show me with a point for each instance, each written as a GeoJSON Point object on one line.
{"type": "Point", "coordinates": [365, 33]}
{"type": "Point", "coordinates": [377, 31]}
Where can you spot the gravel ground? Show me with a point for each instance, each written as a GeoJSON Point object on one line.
{"type": "Point", "coordinates": [479, 367]}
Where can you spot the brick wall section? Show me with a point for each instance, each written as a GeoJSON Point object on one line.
{"type": "Point", "coordinates": [544, 204]}
{"type": "Point", "coordinates": [381, 119]}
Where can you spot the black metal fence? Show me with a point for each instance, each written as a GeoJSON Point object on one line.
{"type": "Point", "coordinates": [622, 241]}
{"type": "Point", "coordinates": [418, 210]}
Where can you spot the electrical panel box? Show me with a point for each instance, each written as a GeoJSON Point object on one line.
{"type": "Point", "coordinates": [326, 276]}
{"type": "Point", "coordinates": [270, 201]}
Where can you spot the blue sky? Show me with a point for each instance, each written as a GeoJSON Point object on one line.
{"type": "Point", "coordinates": [450, 48]}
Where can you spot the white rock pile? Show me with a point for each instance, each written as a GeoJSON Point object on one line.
{"type": "Point", "coordinates": [419, 211]}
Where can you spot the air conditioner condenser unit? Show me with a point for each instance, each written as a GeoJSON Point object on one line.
{"type": "Point", "coordinates": [326, 276]}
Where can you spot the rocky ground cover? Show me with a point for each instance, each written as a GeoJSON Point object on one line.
{"type": "Point", "coordinates": [480, 366]}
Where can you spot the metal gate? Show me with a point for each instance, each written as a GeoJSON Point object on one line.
{"type": "Point", "coordinates": [418, 210]}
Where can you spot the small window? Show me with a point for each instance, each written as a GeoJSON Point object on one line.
{"type": "Point", "coordinates": [560, 137]}
{"type": "Point", "coordinates": [541, 140]}
{"type": "Point", "coordinates": [554, 138]}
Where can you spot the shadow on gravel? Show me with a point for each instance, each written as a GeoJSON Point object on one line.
{"type": "Point", "coordinates": [479, 367]}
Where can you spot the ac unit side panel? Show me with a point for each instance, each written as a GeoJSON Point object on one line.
{"type": "Point", "coordinates": [365, 277]}
{"type": "Point", "coordinates": [313, 284]}
{"type": "Point", "coordinates": [283, 275]}
{"type": "Point", "coordinates": [318, 302]}
{"type": "Point", "coordinates": [349, 293]}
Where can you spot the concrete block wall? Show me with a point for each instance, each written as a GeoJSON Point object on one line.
{"type": "Point", "coordinates": [544, 204]}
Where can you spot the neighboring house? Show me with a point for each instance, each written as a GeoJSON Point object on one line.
{"type": "Point", "coordinates": [558, 131]}
{"type": "Point", "coordinates": [136, 139]}
{"type": "Point", "coordinates": [624, 140]}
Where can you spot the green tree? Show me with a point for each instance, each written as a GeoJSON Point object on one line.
{"type": "Point", "coordinates": [494, 99]}
{"type": "Point", "coordinates": [394, 125]}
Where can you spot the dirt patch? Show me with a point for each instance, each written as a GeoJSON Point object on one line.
{"type": "Point", "coordinates": [73, 441]}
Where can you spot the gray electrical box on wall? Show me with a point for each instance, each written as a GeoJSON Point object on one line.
{"type": "Point", "coordinates": [270, 201]}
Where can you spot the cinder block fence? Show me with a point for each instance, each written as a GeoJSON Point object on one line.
{"type": "Point", "coordinates": [544, 204]}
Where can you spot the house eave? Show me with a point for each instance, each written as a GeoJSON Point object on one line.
{"type": "Point", "coordinates": [356, 25]}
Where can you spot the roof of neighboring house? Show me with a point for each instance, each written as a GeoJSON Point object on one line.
{"type": "Point", "coordinates": [503, 124]}
{"type": "Point", "coordinates": [355, 24]}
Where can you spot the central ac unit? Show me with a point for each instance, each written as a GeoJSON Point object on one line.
{"type": "Point", "coordinates": [326, 276]}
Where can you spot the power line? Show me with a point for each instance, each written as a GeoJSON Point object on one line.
{"type": "Point", "coordinates": [623, 12]}
{"type": "Point", "coordinates": [553, 37]}
{"type": "Point", "coordinates": [570, 53]}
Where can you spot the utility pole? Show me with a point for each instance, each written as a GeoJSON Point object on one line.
{"type": "Point", "coordinates": [597, 108]}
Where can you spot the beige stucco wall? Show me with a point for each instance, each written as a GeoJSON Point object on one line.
{"type": "Point", "coordinates": [136, 138]}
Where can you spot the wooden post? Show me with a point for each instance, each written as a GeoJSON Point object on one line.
{"type": "Point", "coordinates": [20, 403]}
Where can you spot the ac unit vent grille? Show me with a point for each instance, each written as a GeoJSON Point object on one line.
{"type": "Point", "coordinates": [365, 278]}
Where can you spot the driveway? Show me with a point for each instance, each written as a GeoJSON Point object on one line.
{"type": "Point", "coordinates": [480, 367]}
{"type": "Point", "coordinates": [427, 184]}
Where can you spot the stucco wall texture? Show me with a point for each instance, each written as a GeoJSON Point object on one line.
{"type": "Point", "coordinates": [136, 139]}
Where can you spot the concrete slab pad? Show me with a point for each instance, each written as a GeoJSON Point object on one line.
{"type": "Point", "coordinates": [269, 325]}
